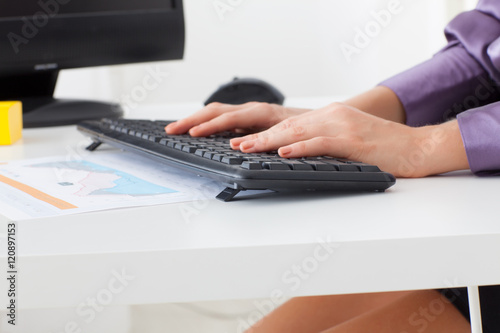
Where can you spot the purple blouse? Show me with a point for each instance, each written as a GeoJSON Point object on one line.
{"type": "Point", "coordinates": [462, 80]}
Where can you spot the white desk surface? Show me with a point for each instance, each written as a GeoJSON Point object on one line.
{"type": "Point", "coordinates": [422, 233]}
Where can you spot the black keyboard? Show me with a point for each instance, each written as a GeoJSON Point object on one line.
{"type": "Point", "coordinates": [213, 157]}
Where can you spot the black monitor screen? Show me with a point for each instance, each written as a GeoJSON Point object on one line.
{"type": "Point", "coordinates": [40, 37]}
{"type": "Point", "coordinates": [58, 34]}
{"type": "Point", "coordinates": [62, 7]}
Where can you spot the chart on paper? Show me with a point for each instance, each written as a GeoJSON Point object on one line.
{"type": "Point", "coordinates": [56, 186]}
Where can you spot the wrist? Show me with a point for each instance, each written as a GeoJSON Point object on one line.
{"type": "Point", "coordinates": [381, 102]}
{"type": "Point", "coordinates": [439, 149]}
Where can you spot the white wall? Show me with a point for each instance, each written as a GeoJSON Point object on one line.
{"type": "Point", "coordinates": [293, 44]}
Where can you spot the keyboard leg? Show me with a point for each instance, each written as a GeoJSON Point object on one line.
{"type": "Point", "coordinates": [228, 194]}
{"type": "Point", "coordinates": [93, 146]}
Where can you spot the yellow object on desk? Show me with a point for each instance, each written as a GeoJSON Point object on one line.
{"type": "Point", "coordinates": [11, 122]}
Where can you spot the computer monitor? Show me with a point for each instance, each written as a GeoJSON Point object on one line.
{"type": "Point", "coordinates": [38, 38]}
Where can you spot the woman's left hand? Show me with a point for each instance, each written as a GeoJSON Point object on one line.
{"type": "Point", "coordinates": [343, 131]}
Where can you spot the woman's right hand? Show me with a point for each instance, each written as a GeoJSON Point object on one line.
{"type": "Point", "coordinates": [245, 118]}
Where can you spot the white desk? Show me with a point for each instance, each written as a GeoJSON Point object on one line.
{"type": "Point", "coordinates": [417, 235]}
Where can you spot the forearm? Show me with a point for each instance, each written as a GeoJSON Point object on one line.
{"type": "Point", "coordinates": [435, 149]}
{"type": "Point", "coordinates": [381, 102]}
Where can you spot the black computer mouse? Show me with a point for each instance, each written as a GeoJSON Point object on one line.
{"type": "Point", "coordinates": [245, 90]}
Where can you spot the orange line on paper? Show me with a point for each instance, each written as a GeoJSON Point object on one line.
{"type": "Point", "coordinates": [37, 194]}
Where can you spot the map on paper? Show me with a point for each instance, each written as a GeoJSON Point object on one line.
{"type": "Point", "coordinates": [57, 186]}
{"type": "Point", "coordinates": [89, 179]}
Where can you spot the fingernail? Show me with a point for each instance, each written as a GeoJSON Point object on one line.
{"type": "Point", "coordinates": [247, 145]}
{"type": "Point", "coordinates": [169, 126]}
{"type": "Point", "coordinates": [283, 151]}
{"type": "Point", "coordinates": [194, 129]}
{"type": "Point", "coordinates": [234, 144]}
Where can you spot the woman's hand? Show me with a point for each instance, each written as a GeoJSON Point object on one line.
{"type": "Point", "coordinates": [244, 118]}
{"type": "Point", "coordinates": [343, 131]}
{"type": "Point", "coordinates": [337, 130]}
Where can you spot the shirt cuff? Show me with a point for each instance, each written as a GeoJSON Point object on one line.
{"type": "Point", "coordinates": [438, 89]}
{"type": "Point", "coordinates": [480, 130]}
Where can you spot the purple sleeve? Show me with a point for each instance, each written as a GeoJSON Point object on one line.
{"type": "Point", "coordinates": [480, 130]}
{"type": "Point", "coordinates": [463, 76]}
{"type": "Point", "coordinates": [439, 88]}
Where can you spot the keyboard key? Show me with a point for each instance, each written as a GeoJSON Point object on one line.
{"type": "Point", "coordinates": [250, 165]}
{"type": "Point", "coordinates": [165, 141]}
{"type": "Point", "coordinates": [218, 157]}
{"type": "Point", "coordinates": [239, 154]}
{"type": "Point", "coordinates": [179, 145]}
{"type": "Point", "coordinates": [209, 154]}
{"type": "Point", "coordinates": [368, 168]}
{"type": "Point", "coordinates": [154, 138]}
{"type": "Point", "coordinates": [200, 152]}
{"type": "Point", "coordinates": [297, 165]}
{"type": "Point", "coordinates": [341, 166]}
{"type": "Point", "coordinates": [232, 160]}
{"type": "Point", "coordinates": [321, 166]}
{"type": "Point", "coordinates": [189, 149]}
{"type": "Point", "coordinates": [348, 167]}
{"type": "Point", "coordinates": [275, 166]}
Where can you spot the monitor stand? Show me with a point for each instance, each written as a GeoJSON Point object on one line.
{"type": "Point", "coordinates": [40, 109]}
{"type": "Point", "coordinates": [47, 111]}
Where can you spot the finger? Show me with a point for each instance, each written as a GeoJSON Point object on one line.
{"type": "Point", "coordinates": [235, 143]}
{"type": "Point", "coordinates": [329, 122]}
{"type": "Point", "coordinates": [207, 113]}
{"type": "Point", "coordinates": [251, 115]}
{"type": "Point", "coordinates": [288, 131]}
{"type": "Point", "coordinates": [292, 129]}
{"type": "Point", "coordinates": [319, 146]}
